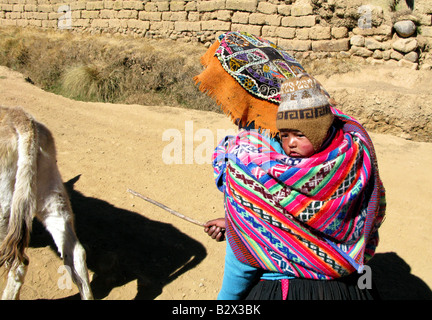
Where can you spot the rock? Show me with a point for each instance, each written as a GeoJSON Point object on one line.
{"type": "Point", "coordinates": [378, 54]}
{"type": "Point", "coordinates": [426, 31]}
{"type": "Point", "coordinates": [407, 64]}
{"type": "Point", "coordinates": [357, 40]}
{"type": "Point", "coordinates": [295, 45]}
{"type": "Point", "coordinates": [391, 63]}
{"type": "Point", "coordinates": [386, 54]}
{"type": "Point", "coordinates": [376, 62]}
{"type": "Point", "coordinates": [331, 45]}
{"type": "Point", "coordinates": [361, 52]}
{"type": "Point", "coordinates": [426, 66]}
{"type": "Point", "coordinates": [343, 55]}
{"type": "Point", "coordinates": [339, 32]}
{"type": "Point", "coordinates": [405, 28]}
{"type": "Point", "coordinates": [405, 45]}
{"type": "Point", "coordinates": [405, 135]}
{"type": "Point", "coordinates": [412, 56]}
{"type": "Point", "coordinates": [301, 9]}
{"type": "Point", "coordinates": [396, 55]}
{"type": "Point", "coordinates": [320, 33]}
{"type": "Point", "coordinates": [373, 44]}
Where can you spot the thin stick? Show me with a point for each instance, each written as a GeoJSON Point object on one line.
{"type": "Point", "coordinates": [160, 205]}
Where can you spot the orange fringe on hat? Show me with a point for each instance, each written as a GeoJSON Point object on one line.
{"type": "Point", "coordinates": [235, 101]}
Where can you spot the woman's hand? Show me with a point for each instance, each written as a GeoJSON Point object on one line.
{"type": "Point", "coordinates": [215, 229]}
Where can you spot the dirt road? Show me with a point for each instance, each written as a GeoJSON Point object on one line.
{"type": "Point", "coordinates": [136, 250]}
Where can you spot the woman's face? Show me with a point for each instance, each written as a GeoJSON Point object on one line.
{"type": "Point", "coordinates": [295, 144]}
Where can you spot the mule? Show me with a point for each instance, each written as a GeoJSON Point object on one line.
{"type": "Point", "coordinates": [31, 186]}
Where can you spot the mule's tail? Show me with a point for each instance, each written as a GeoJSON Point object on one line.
{"type": "Point", "coordinates": [23, 205]}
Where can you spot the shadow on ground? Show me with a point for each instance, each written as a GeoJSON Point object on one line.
{"type": "Point", "coordinates": [123, 246]}
{"type": "Point", "coordinates": [394, 281]}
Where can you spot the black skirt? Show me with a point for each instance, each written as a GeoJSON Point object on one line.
{"type": "Point", "coordinates": [306, 289]}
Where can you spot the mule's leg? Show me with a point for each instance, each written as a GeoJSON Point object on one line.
{"type": "Point", "coordinates": [15, 277]}
{"type": "Point", "coordinates": [55, 212]}
{"type": "Point", "coordinates": [58, 220]}
{"type": "Point", "coordinates": [15, 280]}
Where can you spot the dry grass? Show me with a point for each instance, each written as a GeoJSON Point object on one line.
{"type": "Point", "coordinates": [106, 68]}
{"type": "Point", "coordinates": [91, 83]}
{"type": "Point", "coordinates": [119, 69]}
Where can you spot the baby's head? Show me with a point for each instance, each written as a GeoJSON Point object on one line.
{"type": "Point", "coordinates": [304, 116]}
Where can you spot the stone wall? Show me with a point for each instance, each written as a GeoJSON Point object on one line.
{"type": "Point", "coordinates": [307, 28]}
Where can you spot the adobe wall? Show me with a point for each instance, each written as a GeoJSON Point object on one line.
{"type": "Point", "coordinates": [307, 28]}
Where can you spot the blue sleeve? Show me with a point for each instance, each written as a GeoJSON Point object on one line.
{"type": "Point", "coordinates": [238, 277]}
{"type": "Point", "coordinates": [274, 142]}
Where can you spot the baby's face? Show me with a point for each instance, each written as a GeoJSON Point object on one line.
{"type": "Point", "coordinates": [295, 144]}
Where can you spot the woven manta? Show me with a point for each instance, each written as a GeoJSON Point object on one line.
{"type": "Point", "coordinates": [314, 218]}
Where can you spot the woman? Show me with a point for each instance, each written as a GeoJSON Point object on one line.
{"type": "Point", "coordinates": [302, 209]}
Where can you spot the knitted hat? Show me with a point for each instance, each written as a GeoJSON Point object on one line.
{"type": "Point", "coordinates": [306, 108]}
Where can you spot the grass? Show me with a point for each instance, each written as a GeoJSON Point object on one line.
{"type": "Point", "coordinates": [120, 69]}
{"type": "Point", "coordinates": [107, 68]}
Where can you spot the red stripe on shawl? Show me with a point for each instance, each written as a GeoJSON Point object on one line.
{"type": "Point", "coordinates": [318, 220]}
{"type": "Point", "coordinates": [342, 171]}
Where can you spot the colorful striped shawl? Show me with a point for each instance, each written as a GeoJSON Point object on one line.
{"type": "Point", "coordinates": [315, 217]}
